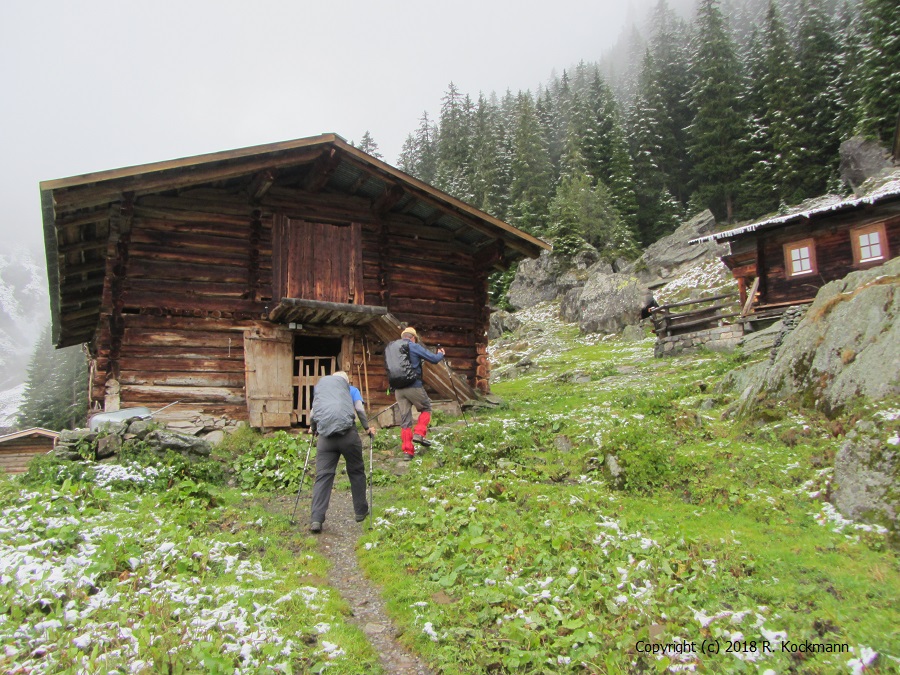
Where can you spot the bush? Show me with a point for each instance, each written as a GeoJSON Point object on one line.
{"type": "Point", "coordinates": [51, 470]}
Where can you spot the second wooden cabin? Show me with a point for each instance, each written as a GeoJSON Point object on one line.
{"type": "Point", "coordinates": [231, 282]}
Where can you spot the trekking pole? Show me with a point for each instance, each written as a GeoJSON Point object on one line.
{"type": "Point", "coordinates": [371, 499]}
{"type": "Point", "coordinates": [302, 476]}
{"type": "Point", "coordinates": [456, 395]}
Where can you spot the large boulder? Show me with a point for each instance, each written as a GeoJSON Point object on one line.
{"type": "Point", "coordinates": [502, 322]}
{"type": "Point", "coordinates": [847, 345]}
{"type": "Point", "coordinates": [665, 259]}
{"type": "Point", "coordinates": [606, 304]}
{"type": "Point", "coordinates": [867, 475]}
{"type": "Point", "coordinates": [549, 277]}
{"type": "Point", "coordinates": [862, 159]}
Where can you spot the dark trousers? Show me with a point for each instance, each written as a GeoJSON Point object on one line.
{"type": "Point", "coordinates": [329, 450]}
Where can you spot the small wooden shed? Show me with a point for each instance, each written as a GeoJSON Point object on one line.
{"type": "Point", "coordinates": [20, 447]}
{"type": "Point", "coordinates": [231, 282]}
{"type": "Point", "coordinates": [784, 261]}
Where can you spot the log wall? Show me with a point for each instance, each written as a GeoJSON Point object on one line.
{"type": "Point", "coordinates": [15, 454]}
{"type": "Point", "coordinates": [190, 273]}
{"type": "Point", "coordinates": [834, 257]}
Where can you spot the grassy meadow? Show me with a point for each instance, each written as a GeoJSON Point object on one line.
{"type": "Point", "coordinates": [608, 517]}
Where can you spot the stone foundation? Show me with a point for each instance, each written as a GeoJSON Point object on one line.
{"type": "Point", "coordinates": [720, 338]}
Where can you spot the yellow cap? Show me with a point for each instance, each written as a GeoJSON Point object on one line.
{"type": "Point", "coordinates": [409, 330]}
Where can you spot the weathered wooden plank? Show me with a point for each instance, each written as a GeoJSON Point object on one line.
{"type": "Point", "coordinates": [213, 270]}
{"type": "Point", "coordinates": [162, 395]}
{"type": "Point", "coordinates": [217, 202]}
{"type": "Point", "coordinates": [183, 217]}
{"type": "Point", "coordinates": [164, 288]}
{"type": "Point", "coordinates": [201, 243]}
{"type": "Point", "coordinates": [176, 364]}
{"type": "Point", "coordinates": [201, 380]}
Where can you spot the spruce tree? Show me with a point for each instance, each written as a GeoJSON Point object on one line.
{"type": "Point", "coordinates": [56, 395]}
{"type": "Point", "coordinates": [583, 211]}
{"type": "Point", "coordinates": [489, 192]}
{"type": "Point", "coordinates": [778, 156]}
{"type": "Point", "coordinates": [418, 157]}
{"type": "Point", "coordinates": [454, 145]}
{"type": "Point", "coordinates": [606, 149]}
{"type": "Point", "coordinates": [668, 81]}
{"type": "Point", "coordinates": [368, 145]}
{"type": "Point", "coordinates": [531, 170]}
{"type": "Point", "coordinates": [880, 70]}
{"type": "Point", "coordinates": [846, 87]}
{"type": "Point", "coordinates": [817, 57]}
{"type": "Point", "coordinates": [718, 127]}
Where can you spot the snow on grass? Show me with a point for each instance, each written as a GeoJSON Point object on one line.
{"type": "Point", "coordinates": [97, 574]}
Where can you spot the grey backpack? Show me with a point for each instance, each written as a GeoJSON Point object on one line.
{"type": "Point", "coordinates": [333, 406]}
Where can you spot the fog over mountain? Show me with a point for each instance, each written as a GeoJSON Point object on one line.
{"type": "Point", "coordinates": [24, 311]}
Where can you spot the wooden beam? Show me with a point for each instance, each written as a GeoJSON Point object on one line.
{"type": "Point", "coordinates": [321, 171]}
{"type": "Point", "coordinates": [387, 200]}
{"type": "Point", "coordinates": [261, 184]}
{"type": "Point", "coordinates": [359, 182]}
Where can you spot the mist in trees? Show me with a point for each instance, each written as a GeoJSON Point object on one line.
{"type": "Point", "coordinates": [56, 392]}
{"type": "Point", "coordinates": [740, 109]}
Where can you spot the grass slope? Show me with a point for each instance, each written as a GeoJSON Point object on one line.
{"type": "Point", "coordinates": [513, 547]}
{"type": "Point", "coordinates": [607, 518]}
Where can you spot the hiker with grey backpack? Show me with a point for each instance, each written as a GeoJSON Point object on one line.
{"type": "Point", "coordinates": [403, 359]}
{"type": "Point", "coordinates": [333, 421]}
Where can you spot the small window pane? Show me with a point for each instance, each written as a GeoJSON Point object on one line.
{"type": "Point", "coordinates": [869, 246]}
{"type": "Point", "coordinates": [800, 261]}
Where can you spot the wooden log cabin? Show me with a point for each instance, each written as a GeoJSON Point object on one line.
{"type": "Point", "coordinates": [784, 261]}
{"type": "Point", "coordinates": [230, 282]}
{"type": "Point", "coordinates": [19, 448]}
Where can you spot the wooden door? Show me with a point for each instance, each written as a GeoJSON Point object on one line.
{"type": "Point", "coordinates": [268, 365]}
{"type": "Point", "coordinates": [316, 261]}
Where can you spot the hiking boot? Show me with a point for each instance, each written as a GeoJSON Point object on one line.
{"type": "Point", "coordinates": [315, 527]}
{"type": "Point", "coordinates": [360, 518]}
{"type": "Point", "coordinates": [407, 457]}
{"type": "Point", "coordinates": [421, 440]}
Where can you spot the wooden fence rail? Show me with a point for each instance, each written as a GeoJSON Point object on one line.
{"type": "Point", "coordinates": [667, 323]}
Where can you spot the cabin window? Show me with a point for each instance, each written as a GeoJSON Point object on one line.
{"type": "Point", "coordinates": [800, 258]}
{"type": "Point", "coordinates": [869, 244]}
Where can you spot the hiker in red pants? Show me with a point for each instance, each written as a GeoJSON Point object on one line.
{"type": "Point", "coordinates": [412, 394]}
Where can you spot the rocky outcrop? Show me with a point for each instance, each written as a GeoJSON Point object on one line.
{"type": "Point", "coordinates": [862, 159]}
{"type": "Point", "coordinates": [666, 258]}
{"type": "Point", "coordinates": [549, 277]}
{"type": "Point", "coordinates": [502, 322]}
{"type": "Point", "coordinates": [606, 304]}
{"type": "Point", "coordinates": [847, 345]}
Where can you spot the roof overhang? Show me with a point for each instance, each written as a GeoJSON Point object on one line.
{"type": "Point", "coordinates": [816, 209]}
{"type": "Point", "coordinates": [320, 313]}
{"type": "Point", "coordinates": [78, 211]}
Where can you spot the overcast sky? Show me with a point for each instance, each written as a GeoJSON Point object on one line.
{"type": "Point", "coordinates": [93, 85]}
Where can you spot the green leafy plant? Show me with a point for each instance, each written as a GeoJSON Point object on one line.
{"type": "Point", "coordinates": [272, 463]}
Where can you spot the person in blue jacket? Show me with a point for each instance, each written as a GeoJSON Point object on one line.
{"type": "Point", "coordinates": [415, 396]}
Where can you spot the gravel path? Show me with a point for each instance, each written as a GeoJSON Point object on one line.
{"type": "Point", "coordinates": [337, 542]}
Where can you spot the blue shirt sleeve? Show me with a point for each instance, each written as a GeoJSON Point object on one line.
{"type": "Point", "coordinates": [355, 394]}
{"type": "Point", "coordinates": [421, 352]}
